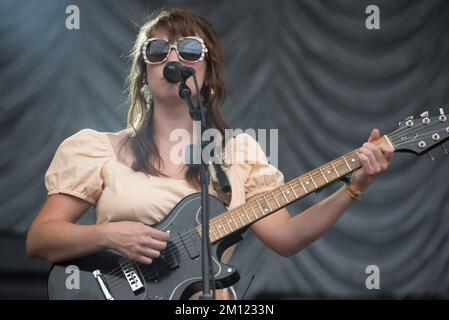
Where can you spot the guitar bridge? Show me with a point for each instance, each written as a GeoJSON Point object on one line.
{"type": "Point", "coordinates": [132, 277]}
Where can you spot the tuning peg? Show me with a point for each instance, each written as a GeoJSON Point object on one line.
{"type": "Point", "coordinates": [431, 157]}
{"type": "Point", "coordinates": [409, 121]}
{"type": "Point", "coordinates": [446, 151]}
{"type": "Point", "coordinates": [425, 117]}
{"type": "Point", "coordinates": [442, 116]}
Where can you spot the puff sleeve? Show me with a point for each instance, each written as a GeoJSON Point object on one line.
{"type": "Point", "coordinates": [251, 162]}
{"type": "Point", "coordinates": [76, 165]}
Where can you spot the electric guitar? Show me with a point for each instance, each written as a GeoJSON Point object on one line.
{"type": "Point", "coordinates": [177, 273]}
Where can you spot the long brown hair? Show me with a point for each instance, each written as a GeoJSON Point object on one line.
{"type": "Point", "coordinates": [178, 23]}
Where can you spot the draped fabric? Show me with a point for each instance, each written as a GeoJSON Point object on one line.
{"type": "Point", "coordinates": [310, 69]}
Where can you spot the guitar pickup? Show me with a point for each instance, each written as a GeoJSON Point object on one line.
{"type": "Point", "coordinates": [186, 238]}
{"type": "Point", "coordinates": [169, 254]}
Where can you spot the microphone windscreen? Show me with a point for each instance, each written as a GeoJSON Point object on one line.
{"type": "Point", "coordinates": [172, 72]}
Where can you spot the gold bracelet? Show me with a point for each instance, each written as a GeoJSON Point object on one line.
{"type": "Point", "coordinates": [353, 192]}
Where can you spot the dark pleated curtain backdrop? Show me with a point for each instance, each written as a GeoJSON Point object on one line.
{"type": "Point", "coordinates": [308, 68]}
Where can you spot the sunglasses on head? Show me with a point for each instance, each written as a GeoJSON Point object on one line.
{"type": "Point", "coordinates": [189, 49]}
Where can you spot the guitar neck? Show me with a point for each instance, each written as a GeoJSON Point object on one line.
{"type": "Point", "coordinates": [268, 202]}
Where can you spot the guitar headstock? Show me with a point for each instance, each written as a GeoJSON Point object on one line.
{"type": "Point", "coordinates": [421, 134]}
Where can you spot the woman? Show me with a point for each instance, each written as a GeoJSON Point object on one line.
{"type": "Point", "coordinates": [117, 171]}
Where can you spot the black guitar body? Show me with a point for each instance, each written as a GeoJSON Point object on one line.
{"type": "Point", "coordinates": [176, 274]}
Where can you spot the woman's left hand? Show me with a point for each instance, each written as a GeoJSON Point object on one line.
{"type": "Point", "coordinates": [374, 158]}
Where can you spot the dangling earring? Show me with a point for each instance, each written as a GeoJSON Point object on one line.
{"type": "Point", "coordinates": [208, 93]}
{"type": "Point", "coordinates": [146, 92]}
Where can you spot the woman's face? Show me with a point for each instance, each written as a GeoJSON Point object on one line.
{"type": "Point", "coordinates": [163, 90]}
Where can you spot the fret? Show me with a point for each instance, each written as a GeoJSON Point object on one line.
{"type": "Point", "coordinates": [307, 182]}
{"type": "Point", "coordinates": [282, 191]}
{"type": "Point", "coordinates": [232, 217]}
{"type": "Point", "coordinates": [325, 178]}
{"type": "Point", "coordinates": [218, 229]}
{"type": "Point", "coordinates": [267, 202]}
{"type": "Point", "coordinates": [305, 190]}
{"type": "Point", "coordinates": [347, 163]}
{"type": "Point", "coordinates": [260, 207]}
{"type": "Point", "coordinates": [357, 153]}
{"type": "Point", "coordinates": [230, 228]}
{"type": "Point", "coordinates": [335, 169]}
{"type": "Point", "coordinates": [353, 159]}
{"type": "Point", "coordinates": [287, 192]}
{"type": "Point", "coordinates": [313, 180]}
{"type": "Point", "coordinates": [249, 220]}
{"type": "Point", "coordinates": [293, 189]}
{"type": "Point", "coordinates": [212, 230]}
{"type": "Point", "coordinates": [222, 225]}
{"type": "Point", "coordinates": [254, 212]}
{"type": "Point", "coordinates": [223, 218]}
{"type": "Point", "coordinates": [274, 196]}
{"type": "Point", "coordinates": [218, 224]}
{"type": "Point", "coordinates": [238, 215]}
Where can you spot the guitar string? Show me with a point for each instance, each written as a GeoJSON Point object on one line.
{"type": "Point", "coordinates": [316, 176]}
{"type": "Point", "coordinates": [146, 269]}
{"type": "Point", "coordinates": [404, 130]}
{"type": "Point", "coordinates": [400, 132]}
{"type": "Point", "coordinates": [422, 136]}
{"type": "Point", "coordinates": [275, 193]}
{"type": "Point", "coordinates": [392, 136]}
{"type": "Point", "coordinates": [413, 128]}
{"type": "Point", "coordinates": [169, 250]}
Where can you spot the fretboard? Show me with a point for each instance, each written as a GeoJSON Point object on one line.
{"type": "Point", "coordinates": [268, 202]}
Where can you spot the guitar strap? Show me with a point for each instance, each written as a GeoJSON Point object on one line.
{"type": "Point", "coordinates": [225, 197]}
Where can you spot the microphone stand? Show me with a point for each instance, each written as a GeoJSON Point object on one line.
{"type": "Point", "coordinates": [198, 114]}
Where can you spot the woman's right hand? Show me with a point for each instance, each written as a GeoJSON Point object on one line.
{"type": "Point", "coordinates": [135, 240]}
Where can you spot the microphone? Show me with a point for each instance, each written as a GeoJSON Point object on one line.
{"type": "Point", "coordinates": [175, 72]}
